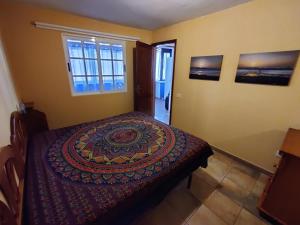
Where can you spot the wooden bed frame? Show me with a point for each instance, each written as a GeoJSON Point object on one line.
{"type": "Point", "coordinates": [12, 161]}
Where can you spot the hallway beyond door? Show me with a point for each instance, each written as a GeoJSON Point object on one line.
{"type": "Point", "coordinates": [161, 113]}
{"type": "Point", "coordinates": [164, 68]}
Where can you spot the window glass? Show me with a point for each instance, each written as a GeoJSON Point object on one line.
{"type": "Point", "coordinates": [75, 49]}
{"type": "Point", "coordinates": [105, 51]}
{"type": "Point", "coordinates": [119, 82]}
{"type": "Point", "coordinates": [80, 84]}
{"type": "Point", "coordinates": [93, 83]}
{"type": "Point", "coordinates": [91, 67]}
{"type": "Point", "coordinates": [106, 67]}
{"type": "Point", "coordinates": [90, 50]}
{"type": "Point", "coordinates": [118, 68]}
{"type": "Point", "coordinates": [95, 65]}
{"type": "Point", "coordinates": [117, 52]}
{"type": "Point", "coordinates": [77, 66]}
{"type": "Point", "coordinates": [108, 83]}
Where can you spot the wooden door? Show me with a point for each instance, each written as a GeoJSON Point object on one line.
{"type": "Point", "coordinates": [143, 78]}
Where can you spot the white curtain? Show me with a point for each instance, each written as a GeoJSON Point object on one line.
{"type": "Point", "coordinates": [8, 99]}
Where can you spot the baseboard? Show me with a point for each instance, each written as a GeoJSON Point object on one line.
{"type": "Point", "coordinates": [244, 161]}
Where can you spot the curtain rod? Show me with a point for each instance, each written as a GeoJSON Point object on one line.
{"type": "Point", "coordinates": [74, 30]}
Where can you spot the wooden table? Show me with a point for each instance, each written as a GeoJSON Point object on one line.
{"type": "Point", "coordinates": [280, 202]}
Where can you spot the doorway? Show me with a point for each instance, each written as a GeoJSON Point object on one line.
{"type": "Point", "coordinates": [164, 59]}
{"type": "Point", "coordinates": [154, 79]}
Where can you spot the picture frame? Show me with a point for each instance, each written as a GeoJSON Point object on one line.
{"type": "Point", "coordinates": [269, 68]}
{"type": "Point", "coordinates": [206, 67]}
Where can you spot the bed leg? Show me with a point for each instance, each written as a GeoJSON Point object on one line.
{"type": "Point", "coordinates": [189, 183]}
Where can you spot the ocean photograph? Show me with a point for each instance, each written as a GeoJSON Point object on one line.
{"type": "Point", "coordinates": [206, 67]}
{"type": "Point", "coordinates": [273, 68]}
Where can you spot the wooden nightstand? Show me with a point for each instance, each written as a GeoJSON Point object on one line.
{"type": "Point", "coordinates": [280, 201]}
{"type": "Point", "coordinates": [34, 120]}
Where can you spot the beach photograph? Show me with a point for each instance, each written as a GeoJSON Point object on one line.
{"type": "Point", "coordinates": [206, 67]}
{"type": "Point", "coordinates": [272, 68]}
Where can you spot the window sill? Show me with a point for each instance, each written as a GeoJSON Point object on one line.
{"type": "Point", "coordinates": [97, 93]}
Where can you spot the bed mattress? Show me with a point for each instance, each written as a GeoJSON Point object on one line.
{"type": "Point", "coordinates": [93, 173]}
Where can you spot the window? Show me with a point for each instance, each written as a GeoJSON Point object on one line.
{"type": "Point", "coordinates": [95, 65]}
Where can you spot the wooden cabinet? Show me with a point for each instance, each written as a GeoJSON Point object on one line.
{"type": "Point", "coordinates": [280, 202]}
{"type": "Point", "coordinates": [35, 121]}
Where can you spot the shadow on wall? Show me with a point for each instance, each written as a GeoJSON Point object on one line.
{"type": "Point", "coordinates": [257, 147]}
{"type": "Point", "coordinates": [8, 99]}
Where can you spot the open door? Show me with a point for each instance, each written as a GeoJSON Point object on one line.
{"type": "Point", "coordinates": [143, 78]}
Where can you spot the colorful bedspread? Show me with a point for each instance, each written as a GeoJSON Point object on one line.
{"type": "Point", "coordinates": [88, 173]}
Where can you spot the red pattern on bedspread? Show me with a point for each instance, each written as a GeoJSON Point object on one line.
{"type": "Point", "coordinates": [79, 174]}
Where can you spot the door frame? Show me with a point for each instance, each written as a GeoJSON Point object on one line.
{"type": "Point", "coordinates": [172, 41]}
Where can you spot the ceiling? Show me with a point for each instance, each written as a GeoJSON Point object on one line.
{"type": "Point", "coordinates": [148, 14]}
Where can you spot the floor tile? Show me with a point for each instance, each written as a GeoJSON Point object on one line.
{"type": "Point", "coordinates": [161, 113]}
{"type": "Point", "coordinates": [246, 218]}
{"type": "Point", "coordinates": [250, 203]}
{"type": "Point", "coordinates": [200, 188]}
{"type": "Point", "coordinates": [217, 169]}
{"type": "Point", "coordinates": [183, 202]}
{"type": "Point", "coordinates": [244, 168]}
{"type": "Point", "coordinates": [182, 184]}
{"type": "Point", "coordinates": [225, 193]}
{"type": "Point", "coordinates": [260, 184]}
{"type": "Point", "coordinates": [224, 158]}
{"type": "Point", "coordinates": [223, 207]}
{"type": "Point", "coordinates": [244, 180]}
{"type": "Point", "coordinates": [203, 176]}
{"type": "Point", "coordinates": [204, 216]}
{"type": "Point", "coordinates": [263, 178]}
{"type": "Point", "coordinates": [233, 190]}
{"type": "Point", "coordinates": [163, 214]}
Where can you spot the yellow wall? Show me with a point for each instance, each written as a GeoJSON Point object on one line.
{"type": "Point", "coordinates": [39, 68]}
{"type": "Point", "coordinates": [246, 120]}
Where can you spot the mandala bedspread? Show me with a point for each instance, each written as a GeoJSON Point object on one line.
{"type": "Point", "coordinates": [76, 175]}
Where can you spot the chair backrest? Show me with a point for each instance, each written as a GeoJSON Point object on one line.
{"type": "Point", "coordinates": [6, 216]}
{"type": "Point", "coordinates": [11, 181]}
{"type": "Point", "coordinates": [18, 131]}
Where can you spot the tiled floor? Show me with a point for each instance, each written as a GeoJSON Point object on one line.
{"type": "Point", "coordinates": [161, 113]}
{"type": "Point", "coordinates": [225, 193]}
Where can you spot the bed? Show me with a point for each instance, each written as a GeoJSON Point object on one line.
{"type": "Point", "coordinates": [106, 171]}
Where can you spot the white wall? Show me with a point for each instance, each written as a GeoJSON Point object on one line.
{"type": "Point", "coordinates": [8, 99]}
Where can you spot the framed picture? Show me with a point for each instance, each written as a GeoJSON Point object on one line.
{"type": "Point", "coordinates": [206, 67]}
{"type": "Point", "coordinates": [273, 68]}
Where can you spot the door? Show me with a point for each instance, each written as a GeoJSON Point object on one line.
{"type": "Point", "coordinates": [143, 78]}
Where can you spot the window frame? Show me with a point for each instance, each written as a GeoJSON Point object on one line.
{"type": "Point", "coordinates": [97, 40]}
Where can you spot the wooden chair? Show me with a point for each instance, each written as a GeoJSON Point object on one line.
{"type": "Point", "coordinates": [11, 186]}
{"type": "Point", "coordinates": [19, 135]}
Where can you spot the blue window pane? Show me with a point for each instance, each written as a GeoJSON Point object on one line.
{"type": "Point", "coordinates": [118, 68]}
{"type": "Point", "coordinates": [74, 48]}
{"type": "Point", "coordinates": [91, 67]}
{"type": "Point", "coordinates": [77, 67]}
{"type": "Point", "coordinates": [80, 84]}
{"type": "Point", "coordinates": [106, 67]}
{"type": "Point", "coordinates": [105, 52]}
{"type": "Point", "coordinates": [108, 84]}
{"type": "Point", "coordinates": [119, 82]}
{"type": "Point", "coordinates": [90, 50]}
{"type": "Point", "coordinates": [117, 51]}
{"type": "Point", "coordinates": [93, 83]}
